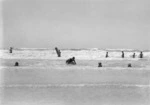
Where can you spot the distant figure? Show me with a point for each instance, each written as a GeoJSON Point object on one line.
{"type": "Point", "coordinates": [133, 55]}
{"type": "Point", "coordinates": [106, 54]}
{"type": "Point", "coordinates": [122, 54]}
{"type": "Point", "coordinates": [16, 64]}
{"type": "Point", "coordinates": [129, 65]}
{"type": "Point", "coordinates": [58, 52]}
{"type": "Point", "coordinates": [141, 55]}
{"type": "Point", "coordinates": [10, 50]}
{"type": "Point", "coordinates": [71, 61]}
{"type": "Point", "coordinates": [99, 64]}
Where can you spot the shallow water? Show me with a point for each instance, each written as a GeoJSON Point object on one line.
{"type": "Point", "coordinates": [102, 95]}
{"type": "Point", "coordinates": [90, 54]}
{"type": "Point", "coordinates": [43, 78]}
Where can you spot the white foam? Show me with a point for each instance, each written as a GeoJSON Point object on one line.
{"type": "Point", "coordinates": [74, 68]}
{"type": "Point", "coordinates": [92, 54]}
{"type": "Point", "coordinates": [72, 85]}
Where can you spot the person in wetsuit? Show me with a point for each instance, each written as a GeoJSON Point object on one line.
{"type": "Point", "coordinates": [71, 61]}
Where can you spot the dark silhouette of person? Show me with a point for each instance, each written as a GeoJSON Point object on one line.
{"type": "Point", "coordinates": [10, 50]}
{"type": "Point", "coordinates": [99, 64]}
{"type": "Point", "coordinates": [133, 55]}
{"type": "Point", "coordinates": [16, 64]}
{"type": "Point", "coordinates": [122, 54]}
{"type": "Point", "coordinates": [107, 55]}
{"type": "Point", "coordinates": [58, 52]}
{"type": "Point", "coordinates": [71, 61]}
{"type": "Point", "coordinates": [129, 65]}
{"type": "Point", "coordinates": [141, 54]}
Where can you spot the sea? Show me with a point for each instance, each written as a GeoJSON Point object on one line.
{"type": "Point", "coordinates": [42, 78]}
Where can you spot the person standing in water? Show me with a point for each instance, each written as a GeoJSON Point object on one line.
{"type": "Point", "coordinates": [141, 55]}
{"type": "Point", "coordinates": [106, 55]}
{"type": "Point", "coordinates": [10, 50]}
{"type": "Point", "coordinates": [122, 54]}
{"type": "Point", "coordinates": [133, 55]}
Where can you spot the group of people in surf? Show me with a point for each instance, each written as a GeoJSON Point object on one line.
{"type": "Point", "coordinates": [133, 56]}
{"type": "Point", "coordinates": [73, 62]}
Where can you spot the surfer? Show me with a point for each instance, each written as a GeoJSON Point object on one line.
{"type": "Point", "coordinates": [133, 55]}
{"type": "Point", "coordinates": [122, 54]}
{"type": "Point", "coordinates": [141, 54]}
{"type": "Point", "coordinates": [99, 64]}
{"type": "Point", "coordinates": [71, 61]}
{"type": "Point", "coordinates": [106, 54]}
{"type": "Point", "coordinates": [16, 64]}
{"type": "Point", "coordinates": [58, 52]}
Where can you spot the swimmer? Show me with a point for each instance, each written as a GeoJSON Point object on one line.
{"type": "Point", "coordinates": [129, 65]}
{"type": "Point", "coordinates": [16, 64]}
{"type": "Point", "coordinates": [99, 64]}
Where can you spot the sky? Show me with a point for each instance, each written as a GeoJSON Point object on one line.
{"type": "Point", "coordinates": [1, 26]}
{"type": "Point", "coordinates": [75, 24]}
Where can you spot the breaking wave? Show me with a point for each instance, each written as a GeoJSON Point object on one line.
{"type": "Point", "coordinates": [89, 54]}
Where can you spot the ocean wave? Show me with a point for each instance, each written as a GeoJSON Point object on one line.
{"type": "Point", "coordinates": [91, 54]}
{"type": "Point", "coordinates": [31, 48]}
{"type": "Point", "coordinates": [73, 85]}
{"type": "Point", "coordinates": [79, 49]}
{"type": "Point", "coordinates": [75, 68]}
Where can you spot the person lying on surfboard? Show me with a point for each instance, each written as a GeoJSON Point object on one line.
{"type": "Point", "coordinates": [71, 61]}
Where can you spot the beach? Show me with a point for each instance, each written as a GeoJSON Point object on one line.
{"type": "Point", "coordinates": [43, 78]}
